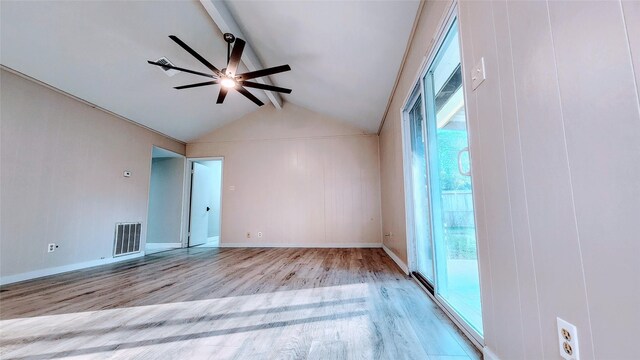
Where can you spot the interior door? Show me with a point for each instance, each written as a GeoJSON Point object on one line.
{"type": "Point", "coordinates": [202, 181]}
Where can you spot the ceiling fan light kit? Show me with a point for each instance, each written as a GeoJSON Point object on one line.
{"type": "Point", "coordinates": [228, 83]}
{"type": "Point", "coordinates": [227, 78]}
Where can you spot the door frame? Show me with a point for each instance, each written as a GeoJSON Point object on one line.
{"type": "Point", "coordinates": [186, 203]}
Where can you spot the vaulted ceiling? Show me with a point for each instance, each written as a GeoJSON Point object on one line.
{"type": "Point", "coordinates": [345, 55]}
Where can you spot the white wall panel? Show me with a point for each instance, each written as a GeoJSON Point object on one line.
{"type": "Point", "coordinates": [631, 12]}
{"type": "Point", "coordinates": [295, 187]}
{"type": "Point", "coordinates": [600, 113]}
{"type": "Point", "coordinates": [61, 173]}
{"type": "Point", "coordinates": [517, 200]}
{"type": "Point", "coordinates": [495, 233]}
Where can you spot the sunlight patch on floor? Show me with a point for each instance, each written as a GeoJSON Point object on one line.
{"type": "Point", "coordinates": [232, 327]}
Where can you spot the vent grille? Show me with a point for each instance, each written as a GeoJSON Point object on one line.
{"type": "Point", "coordinates": [164, 61]}
{"type": "Point", "coordinates": [127, 239]}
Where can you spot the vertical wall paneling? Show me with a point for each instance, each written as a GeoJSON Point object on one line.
{"type": "Point", "coordinates": [516, 182]}
{"type": "Point", "coordinates": [602, 128]}
{"type": "Point", "coordinates": [631, 16]}
{"type": "Point", "coordinates": [296, 187]}
{"type": "Point", "coordinates": [488, 156]}
{"type": "Point", "coordinates": [554, 142]}
{"type": "Point", "coordinates": [62, 178]}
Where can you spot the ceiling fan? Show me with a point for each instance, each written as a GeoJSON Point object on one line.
{"type": "Point", "coordinates": [227, 77]}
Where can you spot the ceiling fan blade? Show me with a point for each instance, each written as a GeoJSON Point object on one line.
{"type": "Point", "coordinates": [263, 72]}
{"type": "Point", "coordinates": [181, 69]}
{"type": "Point", "coordinates": [198, 84]}
{"type": "Point", "coordinates": [249, 95]}
{"type": "Point", "coordinates": [222, 95]}
{"type": "Point", "coordinates": [256, 85]}
{"type": "Point", "coordinates": [195, 54]}
{"type": "Point", "coordinates": [234, 59]}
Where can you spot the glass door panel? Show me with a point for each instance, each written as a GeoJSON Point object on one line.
{"type": "Point", "coordinates": [419, 181]}
{"type": "Point", "coordinates": [457, 279]}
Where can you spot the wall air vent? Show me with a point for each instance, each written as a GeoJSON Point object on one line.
{"type": "Point", "coordinates": [164, 61]}
{"type": "Point", "coordinates": [127, 239]}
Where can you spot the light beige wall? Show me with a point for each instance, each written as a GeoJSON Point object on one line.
{"type": "Point", "coordinates": [61, 177]}
{"type": "Point", "coordinates": [165, 200]}
{"type": "Point", "coordinates": [554, 141]}
{"type": "Point", "coordinates": [299, 177]}
{"type": "Point", "coordinates": [391, 175]}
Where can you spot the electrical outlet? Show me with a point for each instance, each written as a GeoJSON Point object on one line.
{"type": "Point", "coordinates": [259, 233]}
{"type": "Point", "coordinates": [248, 235]}
{"type": "Point", "coordinates": [51, 247]}
{"type": "Point", "coordinates": [568, 340]}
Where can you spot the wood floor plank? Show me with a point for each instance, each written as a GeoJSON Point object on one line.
{"type": "Point", "coordinates": [213, 303]}
{"type": "Point", "coordinates": [321, 350]}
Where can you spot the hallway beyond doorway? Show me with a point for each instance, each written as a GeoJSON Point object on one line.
{"type": "Point", "coordinates": [206, 201]}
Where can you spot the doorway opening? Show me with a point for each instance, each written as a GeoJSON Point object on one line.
{"type": "Point", "coordinates": [164, 216]}
{"type": "Point", "coordinates": [205, 213]}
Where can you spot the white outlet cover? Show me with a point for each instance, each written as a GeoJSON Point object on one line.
{"type": "Point", "coordinates": [478, 74]}
{"type": "Point", "coordinates": [259, 233]}
{"type": "Point", "coordinates": [573, 331]}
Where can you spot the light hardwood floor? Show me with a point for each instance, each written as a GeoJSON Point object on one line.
{"type": "Point", "coordinates": [230, 304]}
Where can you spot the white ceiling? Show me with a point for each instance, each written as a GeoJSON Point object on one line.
{"type": "Point", "coordinates": [345, 56]}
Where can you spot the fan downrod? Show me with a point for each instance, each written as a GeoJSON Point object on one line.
{"type": "Point", "coordinates": [230, 39]}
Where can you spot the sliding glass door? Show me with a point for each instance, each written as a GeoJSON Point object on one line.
{"type": "Point", "coordinates": [442, 194]}
{"type": "Point", "coordinates": [419, 183]}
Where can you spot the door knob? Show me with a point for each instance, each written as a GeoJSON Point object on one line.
{"type": "Point", "coordinates": [208, 208]}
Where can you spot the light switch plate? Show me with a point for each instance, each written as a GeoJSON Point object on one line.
{"type": "Point", "coordinates": [478, 74]}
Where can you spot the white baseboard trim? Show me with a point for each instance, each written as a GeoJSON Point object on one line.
{"type": "Point", "coordinates": [487, 354]}
{"type": "Point", "coordinates": [309, 246]}
{"type": "Point", "coordinates": [4, 280]}
{"type": "Point", "coordinates": [162, 246]}
{"type": "Point", "coordinates": [397, 260]}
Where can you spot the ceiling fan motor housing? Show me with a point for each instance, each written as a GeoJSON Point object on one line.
{"type": "Point", "coordinates": [228, 37]}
